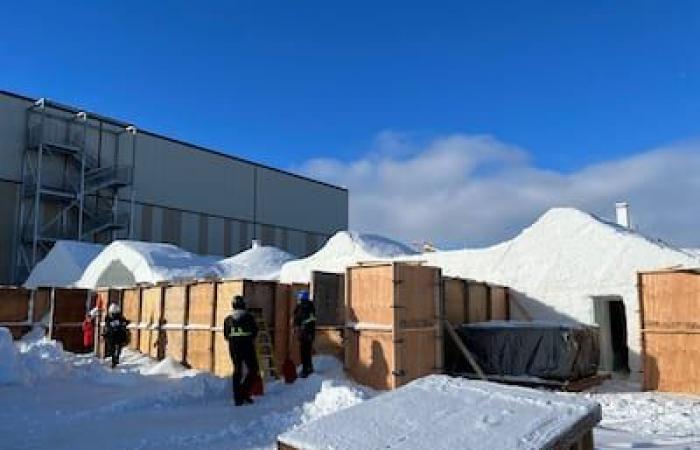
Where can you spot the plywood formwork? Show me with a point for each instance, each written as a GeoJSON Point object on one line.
{"type": "Point", "coordinates": [200, 334]}
{"type": "Point", "coordinates": [328, 293]}
{"type": "Point", "coordinates": [330, 341]}
{"type": "Point", "coordinates": [479, 302]}
{"type": "Point", "coordinates": [68, 310]}
{"type": "Point", "coordinates": [469, 301]}
{"type": "Point", "coordinates": [281, 333]}
{"type": "Point", "coordinates": [152, 339]}
{"type": "Point", "coordinates": [394, 317]}
{"type": "Point", "coordinates": [670, 317]}
{"type": "Point", "coordinates": [499, 303]}
{"type": "Point", "coordinates": [131, 308]}
{"type": "Point", "coordinates": [175, 311]}
{"type": "Point", "coordinates": [14, 305]}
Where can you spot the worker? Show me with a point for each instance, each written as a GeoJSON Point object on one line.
{"type": "Point", "coordinates": [240, 330]}
{"type": "Point", "coordinates": [305, 329]}
{"type": "Point", "coordinates": [88, 332]}
{"type": "Point", "coordinates": [115, 333]}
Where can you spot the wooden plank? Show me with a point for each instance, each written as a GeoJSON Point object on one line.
{"type": "Point", "coordinates": [417, 288]}
{"type": "Point", "coordinates": [131, 308]}
{"type": "Point", "coordinates": [465, 351]}
{"type": "Point", "coordinates": [478, 302]}
{"type": "Point", "coordinates": [199, 349]}
{"type": "Point", "coordinates": [222, 358]}
{"type": "Point", "coordinates": [670, 299]}
{"type": "Point", "coordinates": [455, 300]}
{"type": "Point", "coordinates": [499, 303]}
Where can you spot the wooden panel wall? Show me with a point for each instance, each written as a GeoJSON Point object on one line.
{"type": "Point", "coordinates": [670, 313]}
{"type": "Point", "coordinates": [479, 308]}
{"type": "Point", "coordinates": [370, 294]}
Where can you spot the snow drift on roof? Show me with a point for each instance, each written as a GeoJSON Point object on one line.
{"type": "Point", "coordinates": [440, 412]}
{"type": "Point", "coordinates": [257, 263]}
{"type": "Point", "coordinates": [126, 263]}
{"type": "Point", "coordinates": [63, 265]}
{"type": "Point", "coordinates": [345, 248]}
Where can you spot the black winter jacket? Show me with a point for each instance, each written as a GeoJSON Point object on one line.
{"type": "Point", "coordinates": [240, 328]}
{"type": "Point", "coordinates": [305, 319]}
{"type": "Point", "coordinates": [115, 329]}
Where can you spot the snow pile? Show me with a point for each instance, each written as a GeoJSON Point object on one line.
{"type": "Point", "coordinates": [556, 265]}
{"type": "Point", "coordinates": [432, 412]}
{"type": "Point", "coordinates": [63, 265]}
{"type": "Point", "coordinates": [126, 263]}
{"type": "Point", "coordinates": [10, 371]}
{"type": "Point", "coordinates": [344, 249]}
{"type": "Point", "coordinates": [257, 263]}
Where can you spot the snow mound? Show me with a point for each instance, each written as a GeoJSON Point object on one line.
{"type": "Point", "coordinates": [126, 263]}
{"type": "Point", "coordinates": [63, 265]}
{"type": "Point", "coordinates": [344, 249]}
{"type": "Point", "coordinates": [168, 367]}
{"type": "Point", "coordinates": [557, 265]}
{"type": "Point", "coordinates": [257, 263]}
{"type": "Point", "coordinates": [9, 368]}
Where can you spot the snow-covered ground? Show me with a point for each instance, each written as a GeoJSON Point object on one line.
{"type": "Point", "coordinates": [50, 399]}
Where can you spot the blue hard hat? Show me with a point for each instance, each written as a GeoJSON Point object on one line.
{"type": "Point", "coordinates": [303, 296]}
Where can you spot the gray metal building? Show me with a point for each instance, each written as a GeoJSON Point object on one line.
{"type": "Point", "coordinates": [66, 173]}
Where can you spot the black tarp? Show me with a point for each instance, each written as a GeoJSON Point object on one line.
{"type": "Point", "coordinates": [535, 349]}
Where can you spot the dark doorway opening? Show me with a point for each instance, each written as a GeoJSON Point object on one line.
{"type": "Point", "coordinates": [612, 322]}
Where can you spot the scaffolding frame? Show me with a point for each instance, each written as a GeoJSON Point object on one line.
{"type": "Point", "coordinates": [68, 192]}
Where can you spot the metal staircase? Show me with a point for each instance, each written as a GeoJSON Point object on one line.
{"type": "Point", "coordinates": [68, 190]}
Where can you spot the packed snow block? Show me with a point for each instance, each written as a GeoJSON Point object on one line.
{"type": "Point", "coordinates": [394, 314]}
{"type": "Point", "coordinates": [544, 350]}
{"type": "Point", "coordinates": [330, 341]}
{"type": "Point", "coordinates": [670, 315]}
{"type": "Point", "coordinates": [439, 412]}
{"type": "Point", "coordinates": [131, 308]}
{"type": "Point", "coordinates": [328, 294]}
{"type": "Point", "coordinates": [175, 309]}
{"type": "Point", "coordinates": [152, 338]}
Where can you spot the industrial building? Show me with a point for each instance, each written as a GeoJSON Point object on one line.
{"type": "Point", "coordinates": [66, 173]}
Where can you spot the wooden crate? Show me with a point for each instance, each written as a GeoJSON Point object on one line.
{"type": "Point", "coordinates": [328, 293]}
{"type": "Point", "coordinates": [394, 316]}
{"type": "Point", "coordinates": [670, 317]}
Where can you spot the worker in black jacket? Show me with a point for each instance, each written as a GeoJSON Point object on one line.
{"type": "Point", "coordinates": [241, 330]}
{"type": "Point", "coordinates": [305, 328]}
{"type": "Point", "coordinates": [115, 333]}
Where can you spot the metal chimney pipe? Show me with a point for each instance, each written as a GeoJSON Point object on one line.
{"type": "Point", "coordinates": [622, 210]}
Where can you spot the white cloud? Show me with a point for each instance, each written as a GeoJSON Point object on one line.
{"type": "Point", "coordinates": [462, 190]}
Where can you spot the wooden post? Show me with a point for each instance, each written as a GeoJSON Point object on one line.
{"type": "Point", "coordinates": [52, 311]}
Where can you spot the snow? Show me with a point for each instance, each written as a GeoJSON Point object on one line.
{"type": "Point", "coordinates": [126, 263]}
{"type": "Point", "coordinates": [559, 263]}
{"type": "Point", "coordinates": [344, 249]}
{"type": "Point", "coordinates": [57, 400]}
{"type": "Point", "coordinates": [440, 412]}
{"type": "Point", "coordinates": [63, 265]}
{"type": "Point", "coordinates": [257, 263]}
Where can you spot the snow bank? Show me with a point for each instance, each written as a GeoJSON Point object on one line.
{"type": "Point", "coordinates": [9, 365]}
{"type": "Point", "coordinates": [63, 265]}
{"type": "Point", "coordinates": [126, 263]}
{"type": "Point", "coordinates": [440, 412]}
{"type": "Point", "coordinates": [567, 257]}
{"type": "Point", "coordinates": [345, 248]}
{"type": "Point", "coordinates": [257, 263]}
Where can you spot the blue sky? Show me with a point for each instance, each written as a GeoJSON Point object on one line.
{"type": "Point", "coordinates": [570, 85]}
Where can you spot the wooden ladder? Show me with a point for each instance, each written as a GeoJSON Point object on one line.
{"type": "Point", "coordinates": [263, 346]}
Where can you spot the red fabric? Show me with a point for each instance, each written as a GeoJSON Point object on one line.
{"type": "Point", "coordinates": [289, 371]}
{"type": "Point", "coordinates": [88, 333]}
{"type": "Point", "coordinates": [256, 385]}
